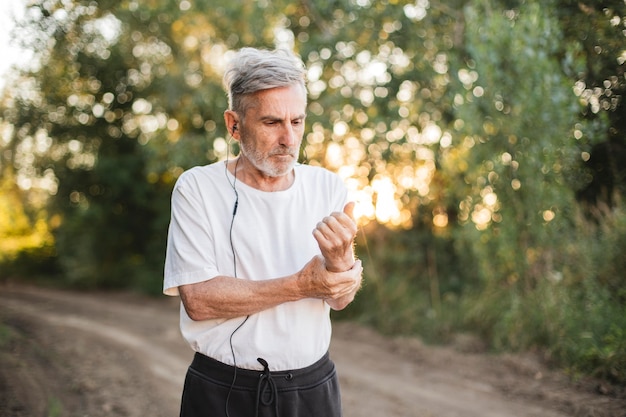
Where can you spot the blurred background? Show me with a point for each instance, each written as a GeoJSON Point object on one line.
{"type": "Point", "coordinates": [484, 141]}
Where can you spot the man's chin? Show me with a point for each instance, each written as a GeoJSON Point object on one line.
{"type": "Point", "coordinates": [281, 169]}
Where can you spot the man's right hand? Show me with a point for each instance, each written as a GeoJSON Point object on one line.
{"type": "Point", "coordinates": [315, 281]}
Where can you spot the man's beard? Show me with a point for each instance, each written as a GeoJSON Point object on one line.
{"type": "Point", "coordinates": [264, 162]}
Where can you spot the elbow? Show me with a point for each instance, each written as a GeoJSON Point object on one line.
{"type": "Point", "coordinates": [196, 309]}
{"type": "Point", "coordinates": [194, 314]}
{"type": "Point", "coordinates": [197, 313]}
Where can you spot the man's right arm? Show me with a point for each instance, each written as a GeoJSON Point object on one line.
{"type": "Point", "coordinates": [228, 297]}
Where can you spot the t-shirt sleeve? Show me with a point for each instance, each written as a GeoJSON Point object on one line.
{"type": "Point", "coordinates": [189, 256]}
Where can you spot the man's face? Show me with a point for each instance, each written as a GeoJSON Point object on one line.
{"type": "Point", "coordinates": [272, 129]}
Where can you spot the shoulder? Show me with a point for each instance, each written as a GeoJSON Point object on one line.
{"type": "Point", "coordinates": [310, 173]}
{"type": "Point", "coordinates": [321, 180]}
{"type": "Point", "coordinates": [199, 175]}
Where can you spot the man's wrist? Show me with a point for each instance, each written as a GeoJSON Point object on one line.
{"type": "Point", "coordinates": [340, 266]}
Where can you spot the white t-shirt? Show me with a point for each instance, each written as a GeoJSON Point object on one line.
{"type": "Point", "coordinates": [271, 237]}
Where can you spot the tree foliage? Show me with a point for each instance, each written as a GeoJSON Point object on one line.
{"type": "Point", "coordinates": [473, 134]}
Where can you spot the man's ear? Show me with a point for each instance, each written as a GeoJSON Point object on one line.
{"type": "Point", "coordinates": [231, 119]}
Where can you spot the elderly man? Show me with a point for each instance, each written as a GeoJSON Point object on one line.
{"type": "Point", "coordinates": [260, 248]}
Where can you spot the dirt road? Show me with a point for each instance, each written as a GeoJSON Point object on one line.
{"type": "Point", "coordinates": [118, 354]}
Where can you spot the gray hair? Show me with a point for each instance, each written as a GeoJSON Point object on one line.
{"type": "Point", "coordinates": [253, 70]}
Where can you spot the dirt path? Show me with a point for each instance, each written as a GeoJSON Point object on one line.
{"type": "Point", "coordinates": [75, 354]}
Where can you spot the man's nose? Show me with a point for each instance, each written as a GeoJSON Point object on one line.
{"type": "Point", "coordinates": [288, 135]}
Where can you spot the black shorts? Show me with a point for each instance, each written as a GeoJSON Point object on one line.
{"type": "Point", "coordinates": [210, 391]}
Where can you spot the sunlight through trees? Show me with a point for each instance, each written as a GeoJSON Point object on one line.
{"type": "Point", "coordinates": [483, 141]}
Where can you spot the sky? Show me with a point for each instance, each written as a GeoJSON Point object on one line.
{"type": "Point", "coordinates": [8, 54]}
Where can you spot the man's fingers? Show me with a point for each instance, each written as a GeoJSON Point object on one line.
{"type": "Point", "coordinates": [336, 230]}
{"type": "Point", "coordinates": [349, 209]}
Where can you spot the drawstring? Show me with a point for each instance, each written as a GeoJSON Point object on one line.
{"type": "Point", "coordinates": [266, 392]}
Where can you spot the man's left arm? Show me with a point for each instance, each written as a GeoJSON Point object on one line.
{"type": "Point", "coordinates": [335, 236]}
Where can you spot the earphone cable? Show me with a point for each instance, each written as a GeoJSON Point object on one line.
{"type": "Point", "coordinates": [232, 351]}
{"type": "Point", "coordinates": [232, 247]}
{"type": "Point", "coordinates": [232, 220]}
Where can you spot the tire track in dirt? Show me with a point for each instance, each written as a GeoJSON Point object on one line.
{"type": "Point", "coordinates": [160, 361]}
{"type": "Point", "coordinates": [379, 376]}
{"type": "Point", "coordinates": [413, 390]}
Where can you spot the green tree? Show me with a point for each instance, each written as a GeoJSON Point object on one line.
{"type": "Point", "coordinates": [125, 96]}
{"type": "Point", "coordinates": [517, 114]}
{"type": "Point", "coordinates": [459, 126]}
{"type": "Point", "coordinates": [593, 34]}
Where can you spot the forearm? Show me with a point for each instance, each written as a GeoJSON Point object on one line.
{"type": "Point", "coordinates": [229, 297]}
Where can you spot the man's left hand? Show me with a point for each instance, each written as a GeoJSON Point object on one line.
{"type": "Point", "coordinates": [335, 236]}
